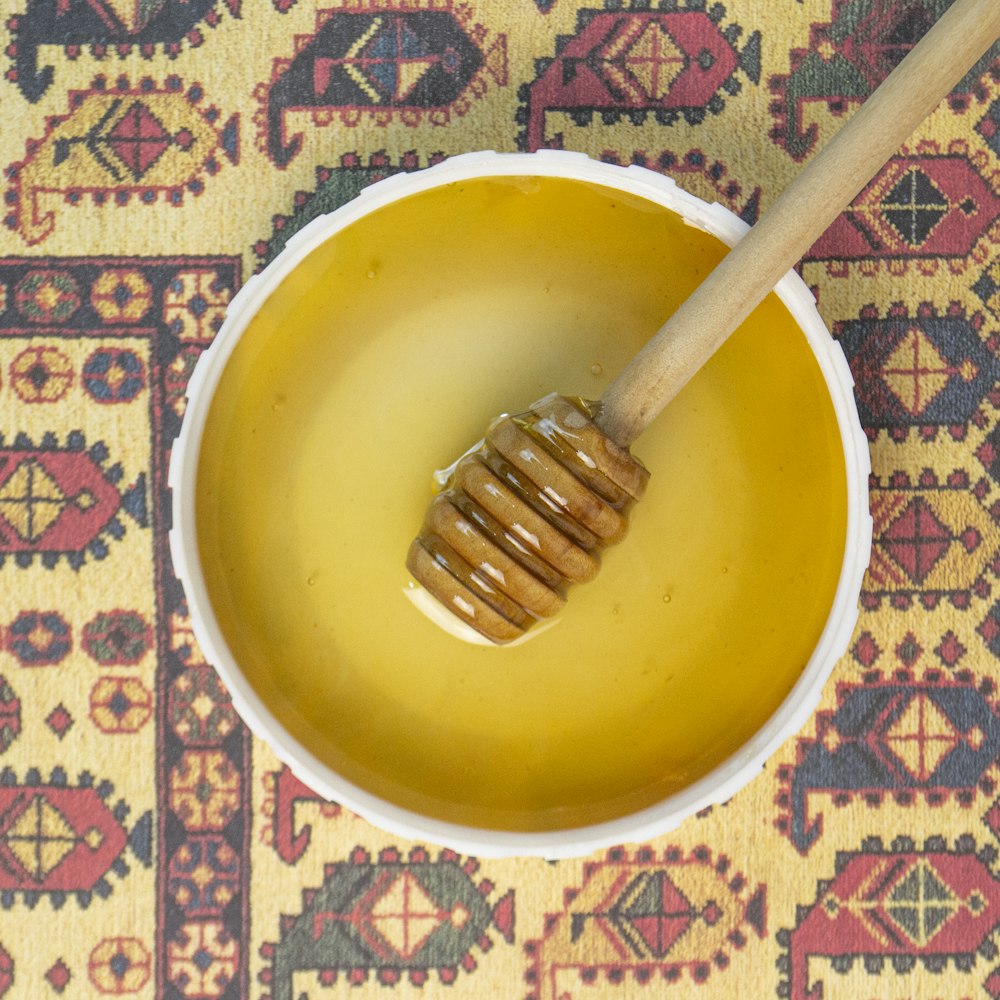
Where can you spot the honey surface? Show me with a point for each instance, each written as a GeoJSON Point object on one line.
{"type": "Point", "coordinates": [382, 359]}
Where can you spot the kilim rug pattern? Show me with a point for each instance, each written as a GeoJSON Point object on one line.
{"type": "Point", "coordinates": [152, 156]}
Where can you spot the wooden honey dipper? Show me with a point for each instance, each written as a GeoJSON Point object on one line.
{"type": "Point", "coordinates": [529, 511]}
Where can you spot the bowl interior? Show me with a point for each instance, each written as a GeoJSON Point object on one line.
{"type": "Point", "coordinates": [380, 357]}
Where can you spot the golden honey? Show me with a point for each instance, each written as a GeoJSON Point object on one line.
{"type": "Point", "coordinates": [382, 358]}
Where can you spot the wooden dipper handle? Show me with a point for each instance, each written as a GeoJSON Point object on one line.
{"type": "Point", "coordinates": [797, 219]}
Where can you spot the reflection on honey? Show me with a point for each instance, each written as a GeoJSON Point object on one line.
{"type": "Point", "coordinates": [382, 359]}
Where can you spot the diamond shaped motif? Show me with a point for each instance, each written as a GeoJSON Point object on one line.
{"type": "Point", "coordinates": [138, 139]}
{"type": "Point", "coordinates": [917, 540]}
{"type": "Point", "coordinates": [389, 60]}
{"type": "Point", "coordinates": [916, 373]}
{"type": "Point", "coordinates": [31, 500]}
{"type": "Point", "coordinates": [40, 838]}
{"type": "Point", "coordinates": [59, 976]}
{"type": "Point", "coordinates": [921, 904]}
{"type": "Point", "coordinates": [59, 720]}
{"type": "Point", "coordinates": [914, 206]}
{"type": "Point", "coordinates": [987, 285]}
{"type": "Point", "coordinates": [406, 916]}
{"type": "Point", "coordinates": [653, 908]}
{"type": "Point", "coordinates": [645, 61]}
{"type": "Point", "coordinates": [922, 736]}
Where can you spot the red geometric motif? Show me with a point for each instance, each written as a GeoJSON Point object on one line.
{"type": "Point", "coordinates": [59, 976]}
{"type": "Point", "coordinates": [205, 789]}
{"type": "Point", "coordinates": [644, 915]}
{"type": "Point", "coordinates": [41, 374]}
{"type": "Point", "coordinates": [139, 139]}
{"type": "Point", "coordinates": [991, 818]}
{"type": "Point", "coordinates": [917, 540]}
{"type": "Point", "coordinates": [931, 541]}
{"type": "Point", "coordinates": [58, 839]}
{"type": "Point", "coordinates": [120, 705]}
{"type": "Point", "coordinates": [59, 720]}
{"type": "Point", "coordinates": [989, 629]}
{"type": "Point", "coordinates": [950, 649]}
{"type": "Point", "coordinates": [284, 792]}
{"type": "Point", "coordinates": [922, 204]}
{"type": "Point", "coordinates": [52, 500]}
{"type": "Point", "coordinates": [992, 984]}
{"type": "Point", "coordinates": [667, 64]}
{"type": "Point", "coordinates": [119, 966]}
{"type": "Point", "coordinates": [199, 708]}
{"type": "Point", "coordinates": [902, 904]}
{"type": "Point", "coordinates": [57, 501]}
{"type": "Point", "coordinates": [39, 638]}
{"type": "Point", "coordinates": [866, 650]}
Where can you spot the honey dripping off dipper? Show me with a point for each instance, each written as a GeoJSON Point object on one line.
{"type": "Point", "coordinates": [528, 512]}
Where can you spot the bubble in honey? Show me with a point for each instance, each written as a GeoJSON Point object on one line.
{"type": "Point", "coordinates": [667, 598]}
{"type": "Point", "coordinates": [370, 274]}
{"type": "Point", "coordinates": [597, 368]}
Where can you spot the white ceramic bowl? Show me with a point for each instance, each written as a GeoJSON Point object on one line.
{"type": "Point", "coordinates": [725, 779]}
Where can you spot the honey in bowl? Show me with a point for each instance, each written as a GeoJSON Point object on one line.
{"type": "Point", "coordinates": [378, 359]}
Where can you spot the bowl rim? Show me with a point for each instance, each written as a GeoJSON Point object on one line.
{"type": "Point", "coordinates": [726, 778]}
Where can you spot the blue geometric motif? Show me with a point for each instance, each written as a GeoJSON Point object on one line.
{"type": "Point", "coordinates": [918, 371]}
{"type": "Point", "coordinates": [417, 60]}
{"type": "Point", "coordinates": [934, 738]}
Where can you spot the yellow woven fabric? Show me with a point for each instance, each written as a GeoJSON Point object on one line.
{"type": "Point", "coordinates": [155, 154]}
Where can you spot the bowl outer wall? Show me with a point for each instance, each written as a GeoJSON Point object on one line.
{"type": "Point", "coordinates": [720, 783]}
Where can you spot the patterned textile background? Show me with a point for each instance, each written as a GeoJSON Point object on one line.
{"type": "Point", "coordinates": [154, 153]}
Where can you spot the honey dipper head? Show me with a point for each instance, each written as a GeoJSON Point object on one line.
{"type": "Point", "coordinates": [524, 516]}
